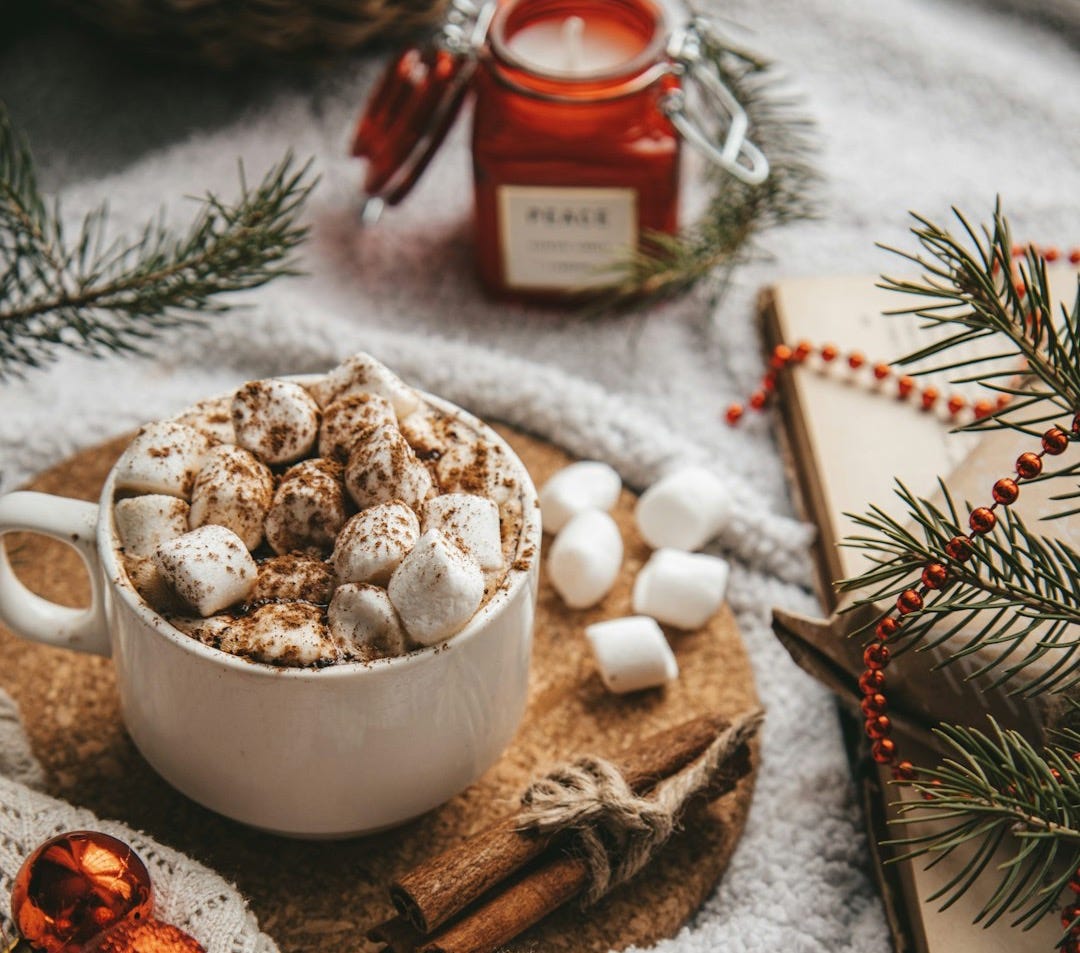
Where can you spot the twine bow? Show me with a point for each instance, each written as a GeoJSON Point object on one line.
{"type": "Point", "coordinates": [617, 831]}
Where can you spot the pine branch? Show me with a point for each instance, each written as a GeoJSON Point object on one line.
{"type": "Point", "coordinates": [1016, 600]}
{"type": "Point", "coordinates": [967, 287]}
{"type": "Point", "coordinates": [997, 791]}
{"type": "Point", "coordinates": [666, 266]}
{"type": "Point", "coordinates": [95, 294]}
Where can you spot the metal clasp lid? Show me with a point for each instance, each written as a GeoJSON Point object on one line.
{"type": "Point", "coordinates": [415, 103]}
{"type": "Point", "coordinates": [738, 155]}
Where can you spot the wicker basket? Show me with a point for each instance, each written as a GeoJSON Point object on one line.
{"type": "Point", "coordinates": [228, 32]}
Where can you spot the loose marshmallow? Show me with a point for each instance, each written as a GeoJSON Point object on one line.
{"type": "Point", "coordinates": [426, 431]}
{"type": "Point", "coordinates": [586, 485]}
{"type": "Point", "coordinates": [684, 510]}
{"type": "Point", "coordinates": [210, 568]}
{"type": "Point", "coordinates": [436, 589]}
{"type": "Point", "coordinates": [470, 521]}
{"type": "Point", "coordinates": [233, 489]}
{"type": "Point", "coordinates": [282, 633]}
{"type": "Point", "coordinates": [142, 522]}
{"type": "Point", "coordinates": [363, 620]}
{"type": "Point", "coordinates": [165, 457]}
{"type": "Point", "coordinates": [374, 542]}
{"type": "Point", "coordinates": [361, 373]}
{"type": "Point", "coordinates": [213, 417]}
{"type": "Point", "coordinates": [383, 467]}
{"type": "Point", "coordinates": [584, 559]}
{"type": "Point", "coordinates": [632, 654]}
{"type": "Point", "coordinates": [294, 577]}
{"type": "Point", "coordinates": [278, 421]}
{"type": "Point", "coordinates": [680, 589]}
{"type": "Point", "coordinates": [308, 508]}
{"type": "Point", "coordinates": [346, 419]}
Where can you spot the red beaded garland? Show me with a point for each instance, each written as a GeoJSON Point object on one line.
{"type": "Point", "coordinates": [876, 704]}
{"type": "Point", "coordinates": [886, 628]}
{"type": "Point", "coordinates": [934, 576]}
{"type": "Point", "coordinates": [1054, 441]}
{"type": "Point", "coordinates": [883, 751]}
{"type": "Point", "coordinates": [829, 353]}
{"type": "Point", "coordinates": [1005, 491]}
{"type": "Point", "coordinates": [1028, 465]}
{"type": "Point", "coordinates": [878, 727]}
{"type": "Point", "coordinates": [871, 681]}
{"type": "Point", "coordinates": [905, 386]}
{"type": "Point", "coordinates": [909, 601]}
{"type": "Point", "coordinates": [960, 548]}
{"type": "Point", "coordinates": [881, 371]}
{"type": "Point", "coordinates": [982, 520]}
{"type": "Point", "coordinates": [876, 655]}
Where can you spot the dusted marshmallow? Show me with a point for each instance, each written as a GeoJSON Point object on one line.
{"type": "Point", "coordinates": [363, 621]}
{"type": "Point", "coordinates": [683, 510]}
{"type": "Point", "coordinates": [681, 589]}
{"type": "Point", "coordinates": [586, 485]}
{"type": "Point", "coordinates": [436, 589]}
{"type": "Point", "coordinates": [345, 420]}
{"type": "Point", "coordinates": [425, 431]}
{"type": "Point", "coordinates": [210, 568]}
{"type": "Point", "coordinates": [294, 577]}
{"type": "Point", "coordinates": [584, 559]}
{"type": "Point", "coordinates": [233, 489]}
{"type": "Point", "coordinates": [383, 467]}
{"type": "Point", "coordinates": [475, 466]}
{"type": "Point", "coordinates": [150, 583]}
{"type": "Point", "coordinates": [374, 542]}
{"type": "Point", "coordinates": [213, 417]}
{"type": "Point", "coordinates": [142, 522]}
{"type": "Point", "coordinates": [361, 373]}
{"type": "Point", "coordinates": [632, 653]}
{"type": "Point", "coordinates": [165, 457]}
{"type": "Point", "coordinates": [278, 421]}
{"type": "Point", "coordinates": [470, 521]}
{"type": "Point", "coordinates": [308, 508]}
{"type": "Point", "coordinates": [281, 633]}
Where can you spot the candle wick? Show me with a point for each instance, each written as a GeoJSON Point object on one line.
{"type": "Point", "coordinates": [573, 32]}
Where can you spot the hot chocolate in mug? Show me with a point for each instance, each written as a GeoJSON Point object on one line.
{"type": "Point", "coordinates": [345, 749]}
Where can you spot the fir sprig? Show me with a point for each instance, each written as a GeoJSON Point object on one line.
{"type": "Point", "coordinates": [1016, 600]}
{"type": "Point", "coordinates": [968, 288]}
{"type": "Point", "coordinates": [666, 266]}
{"type": "Point", "coordinates": [997, 791]}
{"type": "Point", "coordinates": [93, 293]}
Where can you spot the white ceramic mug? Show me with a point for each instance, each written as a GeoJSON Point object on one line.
{"type": "Point", "coordinates": [347, 749]}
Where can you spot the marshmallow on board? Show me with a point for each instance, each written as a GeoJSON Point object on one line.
{"type": "Point", "coordinates": [632, 654]}
{"type": "Point", "coordinates": [585, 485]}
{"type": "Point", "coordinates": [584, 559]}
{"type": "Point", "coordinates": [680, 589]}
{"type": "Point", "coordinates": [682, 510]}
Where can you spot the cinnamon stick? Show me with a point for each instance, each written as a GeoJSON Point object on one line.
{"type": "Point", "coordinates": [539, 893]}
{"type": "Point", "coordinates": [432, 893]}
{"type": "Point", "coordinates": [399, 935]}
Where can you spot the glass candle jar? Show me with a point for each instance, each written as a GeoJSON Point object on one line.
{"type": "Point", "coordinates": [579, 117]}
{"type": "Point", "coordinates": [574, 159]}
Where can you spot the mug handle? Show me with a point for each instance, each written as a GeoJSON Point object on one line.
{"type": "Point", "coordinates": [73, 522]}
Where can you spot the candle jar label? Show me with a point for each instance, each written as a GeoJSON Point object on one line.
{"type": "Point", "coordinates": [560, 238]}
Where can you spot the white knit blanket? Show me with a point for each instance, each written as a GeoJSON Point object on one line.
{"type": "Point", "coordinates": [921, 103]}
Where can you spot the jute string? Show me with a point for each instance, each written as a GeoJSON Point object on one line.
{"type": "Point", "coordinates": [617, 831]}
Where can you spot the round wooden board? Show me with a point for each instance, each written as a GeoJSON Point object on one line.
{"type": "Point", "coordinates": [324, 895]}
